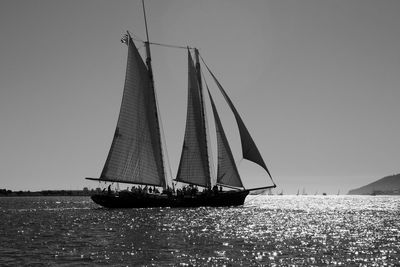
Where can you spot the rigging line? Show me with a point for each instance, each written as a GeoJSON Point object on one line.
{"type": "Point", "coordinates": [140, 47]}
{"type": "Point", "coordinates": [172, 46]}
{"type": "Point", "coordinates": [137, 38]}
{"type": "Point", "coordinates": [204, 77]}
{"type": "Point", "coordinates": [202, 59]}
{"type": "Point", "coordinates": [160, 44]}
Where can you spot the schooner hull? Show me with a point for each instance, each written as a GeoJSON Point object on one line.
{"type": "Point", "coordinates": [127, 199]}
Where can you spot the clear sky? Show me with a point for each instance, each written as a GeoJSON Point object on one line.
{"type": "Point", "coordinates": [316, 82]}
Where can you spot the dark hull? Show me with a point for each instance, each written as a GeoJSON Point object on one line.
{"type": "Point", "coordinates": [127, 199]}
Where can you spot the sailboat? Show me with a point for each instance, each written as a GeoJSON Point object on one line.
{"type": "Point", "coordinates": [304, 192]}
{"type": "Point", "coordinates": [137, 154]}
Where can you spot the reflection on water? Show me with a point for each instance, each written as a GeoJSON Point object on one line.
{"type": "Point", "coordinates": [267, 230]}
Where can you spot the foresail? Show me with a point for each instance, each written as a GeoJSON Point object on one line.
{"type": "Point", "coordinates": [193, 165]}
{"type": "Point", "coordinates": [135, 155]}
{"type": "Point", "coordinates": [227, 173]}
{"type": "Point", "coordinates": [249, 148]}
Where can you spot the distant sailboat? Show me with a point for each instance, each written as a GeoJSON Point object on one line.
{"type": "Point", "coordinates": [304, 192]}
{"type": "Point", "coordinates": [137, 153]}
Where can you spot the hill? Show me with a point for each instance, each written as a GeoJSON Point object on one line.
{"type": "Point", "coordinates": [389, 185]}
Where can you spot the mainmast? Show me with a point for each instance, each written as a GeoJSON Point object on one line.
{"type": "Point", "coordinates": [206, 136]}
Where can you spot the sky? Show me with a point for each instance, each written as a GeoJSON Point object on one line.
{"type": "Point", "coordinates": [316, 82]}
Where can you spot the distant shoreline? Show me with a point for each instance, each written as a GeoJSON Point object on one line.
{"type": "Point", "coordinates": [42, 193]}
{"type": "Point", "coordinates": [82, 193]}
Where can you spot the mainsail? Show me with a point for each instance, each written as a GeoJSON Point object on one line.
{"type": "Point", "coordinates": [194, 163]}
{"type": "Point", "coordinates": [227, 173]}
{"type": "Point", "coordinates": [249, 148]}
{"type": "Point", "coordinates": [136, 154]}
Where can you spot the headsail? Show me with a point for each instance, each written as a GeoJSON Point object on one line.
{"type": "Point", "coordinates": [249, 148]}
{"type": "Point", "coordinates": [194, 165]}
{"type": "Point", "coordinates": [227, 173]}
{"type": "Point", "coordinates": [136, 155]}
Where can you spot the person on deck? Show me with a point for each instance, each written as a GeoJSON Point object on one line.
{"type": "Point", "coordinates": [215, 189]}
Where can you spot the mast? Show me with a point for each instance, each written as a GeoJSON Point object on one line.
{"type": "Point", "coordinates": [145, 21]}
{"type": "Point", "coordinates": [150, 71]}
{"type": "Point", "coordinates": [194, 165]}
{"type": "Point", "coordinates": [147, 44]}
{"type": "Point", "coordinates": [204, 116]}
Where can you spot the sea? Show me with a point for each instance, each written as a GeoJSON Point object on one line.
{"type": "Point", "coordinates": [265, 231]}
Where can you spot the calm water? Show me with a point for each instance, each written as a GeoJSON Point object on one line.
{"type": "Point", "coordinates": [267, 230]}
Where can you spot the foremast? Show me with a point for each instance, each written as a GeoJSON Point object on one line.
{"type": "Point", "coordinates": [151, 77]}
{"type": "Point", "coordinates": [156, 111]}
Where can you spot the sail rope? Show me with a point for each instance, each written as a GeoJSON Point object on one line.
{"type": "Point", "coordinates": [172, 46]}
{"type": "Point", "coordinates": [137, 38]}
